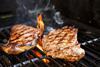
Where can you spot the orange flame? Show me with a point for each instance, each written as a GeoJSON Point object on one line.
{"type": "Point", "coordinates": [45, 60]}
{"type": "Point", "coordinates": [39, 46]}
{"type": "Point", "coordinates": [40, 23]}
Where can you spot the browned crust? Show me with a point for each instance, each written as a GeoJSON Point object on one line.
{"type": "Point", "coordinates": [20, 35]}
{"type": "Point", "coordinates": [61, 42]}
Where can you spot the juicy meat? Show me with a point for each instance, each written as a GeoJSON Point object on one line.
{"type": "Point", "coordinates": [62, 43]}
{"type": "Point", "coordinates": [22, 38]}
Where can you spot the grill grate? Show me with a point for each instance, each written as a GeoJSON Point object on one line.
{"type": "Point", "coordinates": [34, 57]}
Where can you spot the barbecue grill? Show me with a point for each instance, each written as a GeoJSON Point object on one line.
{"type": "Point", "coordinates": [88, 37]}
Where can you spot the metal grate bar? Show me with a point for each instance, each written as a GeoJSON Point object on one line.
{"type": "Point", "coordinates": [90, 61]}
{"type": "Point", "coordinates": [54, 61]}
{"type": "Point", "coordinates": [87, 48]}
{"type": "Point", "coordinates": [96, 46]}
{"type": "Point", "coordinates": [82, 64]}
{"type": "Point", "coordinates": [17, 58]}
{"type": "Point", "coordinates": [26, 62]}
{"type": "Point", "coordinates": [34, 63]}
{"type": "Point", "coordinates": [61, 62]}
{"type": "Point", "coordinates": [29, 57]}
{"type": "Point", "coordinates": [5, 32]}
{"type": "Point", "coordinates": [90, 41]}
{"type": "Point", "coordinates": [3, 35]}
{"type": "Point", "coordinates": [92, 55]}
{"type": "Point", "coordinates": [40, 57]}
{"type": "Point", "coordinates": [8, 27]}
{"type": "Point", "coordinates": [71, 65]}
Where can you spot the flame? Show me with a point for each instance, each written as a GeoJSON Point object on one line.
{"type": "Point", "coordinates": [39, 46]}
{"type": "Point", "coordinates": [40, 55]}
{"type": "Point", "coordinates": [37, 53]}
{"type": "Point", "coordinates": [45, 60]}
{"type": "Point", "coordinates": [40, 23]}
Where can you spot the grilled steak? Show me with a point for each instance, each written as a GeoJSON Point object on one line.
{"type": "Point", "coordinates": [22, 38]}
{"type": "Point", "coordinates": [62, 43]}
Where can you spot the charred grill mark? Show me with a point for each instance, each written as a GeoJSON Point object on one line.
{"type": "Point", "coordinates": [51, 39]}
{"type": "Point", "coordinates": [17, 27]}
{"type": "Point", "coordinates": [26, 35]}
{"type": "Point", "coordinates": [19, 31]}
{"type": "Point", "coordinates": [57, 39]}
{"type": "Point", "coordinates": [18, 36]}
{"type": "Point", "coordinates": [61, 35]}
{"type": "Point", "coordinates": [27, 31]}
{"type": "Point", "coordinates": [61, 38]}
{"type": "Point", "coordinates": [19, 39]}
{"type": "Point", "coordinates": [55, 36]}
{"type": "Point", "coordinates": [70, 39]}
{"type": "Point", "coordinates": [20, 43]}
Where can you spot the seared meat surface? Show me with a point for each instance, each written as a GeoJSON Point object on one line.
{"type": "Point", "coordinates": [23, 37]}
{"type": "Point", "coordinates": [62, 43]}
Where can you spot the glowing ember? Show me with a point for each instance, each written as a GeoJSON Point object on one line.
{"type": "Point", "coordinates": [37, 53]}
{"type": "Point", "coordinates": [45, 60]}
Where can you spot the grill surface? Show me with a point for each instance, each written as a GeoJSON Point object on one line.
{"type": "Point", "coordinates": [90, 41]}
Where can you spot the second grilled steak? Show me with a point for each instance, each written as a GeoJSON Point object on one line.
{"type": "Point", "coordinates": [62, 43]}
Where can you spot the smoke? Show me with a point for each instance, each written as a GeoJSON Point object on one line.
{"type": "Point", "coordinates": [22, 11]}
{"type": "Point", "coordinates": [57, 18]}
{"type": "Point", "coordinates": [23, 14]}
{"type": "Point", "coordinates": [27, 10]}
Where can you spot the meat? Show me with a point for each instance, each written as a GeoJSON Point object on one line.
{"type": "Point", "coordinates": [62, 43]}
{"type": "Point", "coordinates": [23, 37]}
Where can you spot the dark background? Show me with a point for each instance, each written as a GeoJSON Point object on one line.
{"type": "Point", "coordinates": [7, 6]}
{"type": "Point", "coordinates": [86, 11]}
